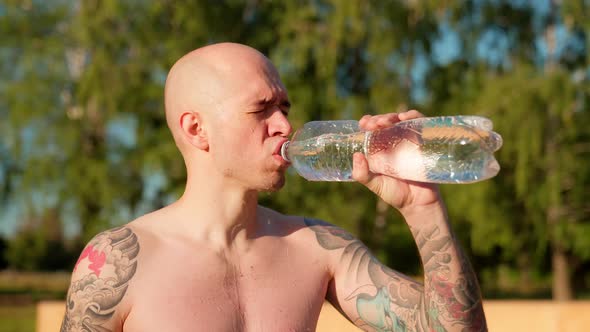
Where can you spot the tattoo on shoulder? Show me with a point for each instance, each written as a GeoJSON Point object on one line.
{"type": "Point", "coordinates": [329, 236]}
{"type": "Point", "coordinates": [111, 261]}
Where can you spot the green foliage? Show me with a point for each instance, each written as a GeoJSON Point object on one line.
{"type": "Point", "coordinates": [84, 134]}
{"type": "Point", "coordinates": [39, 246]}
{"type": "Point", "coordinates": [537, 203]}
{"type": "Point", "coordinates": [91, 68]}
{"type": "Point", "coordinates": [524, 105]}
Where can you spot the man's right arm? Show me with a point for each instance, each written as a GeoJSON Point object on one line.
{"type": "Point", "coordinates": [100, 280]}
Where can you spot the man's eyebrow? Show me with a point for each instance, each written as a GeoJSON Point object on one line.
{"type": "Point", "coordinates": [267, 102]}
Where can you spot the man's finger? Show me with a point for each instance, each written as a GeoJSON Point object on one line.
{"type": "Point", "coordinates": [362, 174]}
{"type": "Point", "coordinates": [360, 168]}
{"type": "Point", "coordinates": [413, 114]}
{"type": "Point", "coordinates": [375, 122]}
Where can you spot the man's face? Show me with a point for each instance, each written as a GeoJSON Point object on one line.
{"type": "Point", "coordinates": [251, 126]}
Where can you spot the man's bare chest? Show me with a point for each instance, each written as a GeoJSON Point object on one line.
{"type": "Point", "coordinates": [270, 291]}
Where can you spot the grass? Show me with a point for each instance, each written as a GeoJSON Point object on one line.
{"type": "Point", "coordinates": [17, 318]}
{"type": "Point", "coordinates": [19, 293]}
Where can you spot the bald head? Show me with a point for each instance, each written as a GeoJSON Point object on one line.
{"type": "Point", "coordinates": [201, 80]}
{"type": "Point", "coordinates": [227, 109]}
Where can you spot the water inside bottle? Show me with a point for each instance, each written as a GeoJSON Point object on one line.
{"type": "Point", "coordinates": [326, 157]}
{"type": "Point", "coordinates": [442, 153]}
{"type": "Point", "coordinates": [441, 149]}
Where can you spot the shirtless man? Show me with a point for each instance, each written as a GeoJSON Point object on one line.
{"type": "Point", "coordinates": [217, 261]}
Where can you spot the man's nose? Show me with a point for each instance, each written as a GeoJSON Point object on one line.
{"type": "Point", "coordinates": [279, 124]}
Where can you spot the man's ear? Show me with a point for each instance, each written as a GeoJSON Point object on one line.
{"type": "Point", "coordinates": [191, 124]}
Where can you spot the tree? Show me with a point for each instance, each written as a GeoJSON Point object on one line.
{"type": "Point", "coordinates": [535, 95]}
{"type": "Point", "coordinates": [39, 245]}
{"type": "Point", "coordinates": [84, 134]}
{"type": "Point", "coordinates": [94, 134]}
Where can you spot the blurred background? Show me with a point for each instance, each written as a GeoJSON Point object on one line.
{"type": "Point", "coordinates": [84, 144]}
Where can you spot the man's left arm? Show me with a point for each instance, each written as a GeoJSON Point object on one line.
{"type": "Point", "coordinates": [377, 298]}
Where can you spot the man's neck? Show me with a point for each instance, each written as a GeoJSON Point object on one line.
{"type": "Point", "coordinates": [226, 218]}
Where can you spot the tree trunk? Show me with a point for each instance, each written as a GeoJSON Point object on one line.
{"type": "Point", "coordinates": [559, 261]}
{"type": "Point", "coordinates": [562, 288]}
{"type": "Point", "coordinates": [526, 273]}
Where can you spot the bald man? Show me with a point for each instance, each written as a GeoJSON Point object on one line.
{"type": "Point", "coordinates": [217, 261]}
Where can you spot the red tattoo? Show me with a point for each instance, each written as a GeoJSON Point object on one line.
{"type": "Point", "coordinates": [456, 309]}
{"type": "Point", "coordinates": [96, 258]}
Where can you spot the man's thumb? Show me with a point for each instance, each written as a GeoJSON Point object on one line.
{"type": "Point", "coordinates": [360, 168]}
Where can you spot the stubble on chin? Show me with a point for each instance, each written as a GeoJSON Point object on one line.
{"type": "Point", "coordinates": [274, 185]}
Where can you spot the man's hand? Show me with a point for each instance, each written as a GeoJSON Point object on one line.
{"type": "Point", "coordinates": [406, 196]}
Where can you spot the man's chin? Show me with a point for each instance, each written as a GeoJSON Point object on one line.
{"type": "Point", "coordinates": [274, 186]}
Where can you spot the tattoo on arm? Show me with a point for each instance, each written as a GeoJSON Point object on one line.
{"type": "Point", "coordinates": [393, 302]}
{"type": "Point", "coordinates": [112, 259]}
{"type": "Point", "coordinates": [454, 299]}
{"type": "Point", "coordinates": [390, 301]}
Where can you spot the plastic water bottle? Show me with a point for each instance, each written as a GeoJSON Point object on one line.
{"type": "Point", "coordinates": [446, 149]}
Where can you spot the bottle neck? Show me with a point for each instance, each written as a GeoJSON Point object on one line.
{"type": "Point", "coordinates": [284, 148]}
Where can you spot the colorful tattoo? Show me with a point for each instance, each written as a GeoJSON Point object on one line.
{"type": "Point", "coordinates": [96, 258]}
{"type": "Point", "coordinates": [393, 302]}
{"type": "Point", "coordinates": [456, 301]}
{"type": "Point", "coordinates": [92, 300]}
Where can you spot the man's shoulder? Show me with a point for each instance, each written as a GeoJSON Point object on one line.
{"type": "Point", "coordinates": [100, 280]}
{"type": "Point", "coordinates": [312, 226]}
{"type": "Point", "coordinates": [119, 241]}
{"type": "Point", "coordinates": [152, 225]}
{"type": "Point", "coordinates": [109, 246]}
{"type": "Point", "coordinates": [325, 234]}
{"type": "Point", "coordinates": [288, 220]}
{"type": "Point", "coordinates": [114, 235]}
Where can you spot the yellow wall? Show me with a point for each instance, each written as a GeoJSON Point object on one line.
{"type": "Point", "coordinates": [502, 316]}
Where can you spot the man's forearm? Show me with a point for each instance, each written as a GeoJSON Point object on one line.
{"type": "Point", "coordinates": [452, 298]}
